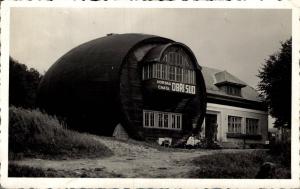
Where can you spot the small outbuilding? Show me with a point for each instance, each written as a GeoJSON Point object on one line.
{"type": "Point", "coordinates": [235, 111]}
{"type": "Point", "coordinates": [152, 86]}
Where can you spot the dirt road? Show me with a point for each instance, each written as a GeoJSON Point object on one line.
{"type": "Point", "coordinates": [131, 159]}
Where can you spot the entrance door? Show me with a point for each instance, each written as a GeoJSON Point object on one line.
{"type": "Point", "coordinates": [211, 126]}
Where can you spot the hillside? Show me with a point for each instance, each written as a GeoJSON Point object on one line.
{"type": "Point", "coordinates": [38, 135]}
{"type": "Point", "coordinates": [40, 146]}
{"type": "Point", "coordinates": [133, 159]}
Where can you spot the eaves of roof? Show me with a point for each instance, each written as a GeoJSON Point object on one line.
{"type": "Point", "coordinates": [248, 93]}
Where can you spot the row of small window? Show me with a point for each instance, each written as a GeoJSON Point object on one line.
{"type": "Point", "coordinates": [233, 90]}
{"type": "Point", "coordinates": [235, 125]}
{"type": "Point", "coordinates": [176, 58]}
{"type": "Point", "coordinates": [168, 72]}
{"type": "Point", "coordinates": [236, 91]}
{"type": "Point", "coordinates": [162, 120]}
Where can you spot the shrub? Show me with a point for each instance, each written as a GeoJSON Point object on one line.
{"type": "Point", "coordinates": [36, 134]}
{"type": "Point", "coordinates": [17, 170]}
{"type": "Point", "coordinates": [24, 171]}
{"type": "Point", "coordinates": [235, 165]}
{"type": "Point", "coordinates": [282, 151]}
{"type": "Point", "coordinates": [23, 84]}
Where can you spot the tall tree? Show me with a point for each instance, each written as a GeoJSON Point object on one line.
{"type": "Point", "coordinates": [23, 84]}
{"type": "Point", "coordinates": [276, 85]}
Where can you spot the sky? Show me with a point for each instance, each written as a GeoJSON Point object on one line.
{"type": "Point", "coordinates": [236, 40]}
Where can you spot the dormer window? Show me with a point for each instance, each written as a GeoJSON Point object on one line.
{"type": "Point", "coordinates": [229, 84]}
{"type": "Point", "coordinates": [232, 90]}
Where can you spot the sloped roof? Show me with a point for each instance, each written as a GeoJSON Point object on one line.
{"type": "Point", "coordinates": [212, 76]}
{"type": "Point", "coordinates": [224, 77]}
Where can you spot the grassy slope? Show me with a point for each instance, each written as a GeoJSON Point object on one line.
{"type": "Point", "coordinates": [237, 165]}
{"type": "Point", "coordinates": [15, 170]}
{"type": "Point", "coordinates": [35, 134]}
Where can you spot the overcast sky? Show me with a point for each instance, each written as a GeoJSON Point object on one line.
{"type": "Point", "coordinates": [236, 40]}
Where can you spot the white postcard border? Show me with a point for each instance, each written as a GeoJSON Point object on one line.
{"type": "Point", "coordinates": [137, 182]}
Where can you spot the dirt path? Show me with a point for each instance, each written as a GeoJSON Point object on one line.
{"type": "Point", "coordinates": [131, 159]}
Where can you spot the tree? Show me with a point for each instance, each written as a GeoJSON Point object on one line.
{"type": "Point", "coordinates": [276, 85]}
{"type": "Point", "coordinates": [23, 84]}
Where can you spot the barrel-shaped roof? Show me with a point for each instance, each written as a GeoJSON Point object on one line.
{"type": "Point", "coordinates": [94, 58]}
{"type": "Point", "coordinates": [89, 70]}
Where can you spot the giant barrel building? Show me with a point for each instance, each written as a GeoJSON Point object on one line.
{"type": "Point", "coordinates": [152, 86]}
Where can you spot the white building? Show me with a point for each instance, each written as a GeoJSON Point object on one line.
{"type": "Point", "coordinates": [234, 109]}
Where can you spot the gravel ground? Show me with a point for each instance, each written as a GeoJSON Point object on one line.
{"type": "Point", "coordinates": [131, 159]}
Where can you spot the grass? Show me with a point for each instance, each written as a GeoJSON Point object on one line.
{"type": "Point", "coordinates": [26, 171]}
{"type": "Point", "coordinates": [38, 135]}
{"type": "Point", "coordinates": [237, 165]}
{"type": "Point", "coordinates": [15, 170]}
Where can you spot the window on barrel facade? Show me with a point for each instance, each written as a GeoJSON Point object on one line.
{"type": "Point", "coordinates": [169, 73]}
{"type": "Point", "coordinates": [158, 70]}
{"type": "Point", "coordinates": [166, 121]}
{"type": "Point", "coordinates": [172, 73]}
{"type": "Point", "coordinates": [162, 120]}
{"type": "Point", "coordinates": [151, 119]}
{"type": "Point", "coordinates": [178, 121]}
{"type": "Point", "coordinates": [146, 118]}
{"type": "Point", "coordinates": [176, 66]}
{"type": "Point", "coordinates": [163, 71]}
{"type": "Point", "coordinates": [150, 70]}
{"type": "Point", "coordinates": [178, 74]}
{"type": "Point", "coordinates": [173, 121]}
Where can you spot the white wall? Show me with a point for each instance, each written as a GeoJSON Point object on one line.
{"type": "Point", "coordinates": [223, 111]}
{"type": "Point", "coordinates": [271, 121]}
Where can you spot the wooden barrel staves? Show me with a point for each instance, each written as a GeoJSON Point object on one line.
{"type": "Point", "coordinates": [152, 86]}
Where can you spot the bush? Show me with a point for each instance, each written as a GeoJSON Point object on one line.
{"type": "Point", "coordinates": [282, 150]}
{"type": "Point", "coordinates": [36, 134]}
{"type": "Point", "coordinates": [235, 165]}
{"type": "Point", "coordinates": [25, 171]}
{"type": "Point", "coordinates": [23, 84]}
{"type": "Point", "coordinates": [16, 170]}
